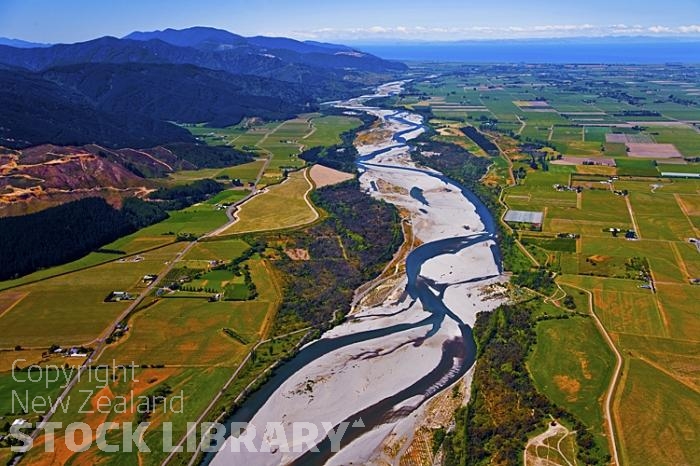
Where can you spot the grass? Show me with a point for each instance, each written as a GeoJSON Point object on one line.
{"type": "Point", "coordinates": [629, 312]}
{"type": "Point", "coordinates": [656, 332]}
{"type": "Point", "coordinates": [70, 309]}
{"type": "Point", "coordinates": [217, 250]}
{"type": "Point", "coordinates": [680, 305]}
{"type": "Point", "coordinates": [282, 206]}
{"type": "Point", "coordinates": [656, 410]}
{"type": "Point", "coordinates": [196, 386]}
{"type": "Point", "coordinates": [686, 140]}
{"type": "Point", "coordinates": [572, 364]}
{"type": "Point", "coordinates": [9, 357]}
{"type": "Point", "coordinates": [228, 197]}
{"type": "Point", "coordinates": [673, 167]}
{"type": "Point", "coordinates": [613, 149]}
{"type": "Point", "coordinates": [659, 216]}
{"type": "Point", "coordinates": [197, 220]}
{"type": "Point", "coordinates": [162, 334]}
{"type": "Point", "coordinates": [329, 129]}
{"type": "Point", "coordinates": [130, 244]}
{"type": "Point", "coordinates": [215, 280]}
{"type": "Point", "coordinates": [246, 172]}
{"type": "Point", "coordinates": [627, 166]}
{"type": "Point", "coordinates": [18, 391]}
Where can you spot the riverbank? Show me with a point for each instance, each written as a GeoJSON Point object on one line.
{"type": "Point", "coordinates": [382, 365]}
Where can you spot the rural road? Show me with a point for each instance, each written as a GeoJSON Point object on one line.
{"type": "Point", "coordinates": [101, 340]}
{"type": "Point", "coordinates": [220, 394]}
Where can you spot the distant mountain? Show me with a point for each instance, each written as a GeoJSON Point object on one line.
{"type": "Point", "coordinates": [217, 39]}
{"type": "Point", "coordinates": [283, 43]}
{"type": "Point", "coordinates": [197, 37]}
{"type": "Point", "coordinates": [22, 44]}
{"type": "Point", "coordinates": [326, 45]}
{"type": "Point", "coordinates": [285, 59]}
{"type": "Point", "coordinates": [124, 92]}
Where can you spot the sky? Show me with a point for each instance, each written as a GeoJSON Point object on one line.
{"type": "Point", "coordinates": [360, 21]}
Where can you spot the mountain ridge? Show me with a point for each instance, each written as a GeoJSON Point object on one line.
{"type": "Point", "coordinates": [126, 92]}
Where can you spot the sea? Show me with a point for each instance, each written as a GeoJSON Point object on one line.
{"type": "Point", "coordinates": [550, 51]}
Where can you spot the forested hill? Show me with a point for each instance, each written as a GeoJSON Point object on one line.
{"type": "Point", "coordinates": [37, 111]}
{"type": "Point", "coordinates": [126, 92]}
{"type": "Point", "coordinates": [68, 232]}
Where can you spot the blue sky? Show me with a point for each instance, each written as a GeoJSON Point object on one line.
{"type": "Point", "coordinates": [352, 20]}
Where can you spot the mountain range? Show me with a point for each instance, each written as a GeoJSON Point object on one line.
{"type": "Point", "coordinates": [127, 92]}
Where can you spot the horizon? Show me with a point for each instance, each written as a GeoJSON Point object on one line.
{"type": "Point", "coordinates": [69, 21]}
{"type": "Point", "coordinates": [398, 41]}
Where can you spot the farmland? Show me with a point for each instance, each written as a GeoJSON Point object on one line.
{"type": "Point", "coordinates": [281, 206]}
{"type": "Point", "coordinates": [584, 146]}
{"type": "Point", "coordinates": [279, 142]}
{"type": "Point", "coordinates": [70, 309]}
{"type": "Point", "coordinates": [589, 155]}
{"type": "Point", "coordinates": [577, 377]}
{"type": "Point", "coordinates": [213, 306]}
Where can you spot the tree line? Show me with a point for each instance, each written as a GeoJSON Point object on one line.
{"type": "Point", "coordinates": [67, 232]}
{"type": "Point", "coordinates": [505, 408]}
{"type": "Point", "coordinates": [359, 236]}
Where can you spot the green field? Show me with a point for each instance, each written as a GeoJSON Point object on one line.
{"type": "Point", "coordinates": [182, 331]}
{"type": "Point", "coordinates": [572, 364]}
{"type": "Point", "coordinates": [247, 172]}
{"type": "Point", "coordinates": [655, 409]}
{"type": "Point", "coordinates": [19, 391]}
{"type": "Point", "coordinates": [327, 130]}
{"type": "Point", "coordinates": [216, 250]}
{"type": "Point", "coordinates": [196, 387]}
{"type": "Point", "coordinates": [162, 334]}
{"type": "Point", "coordinates": [70, 309]}
{"type": "Point", "coordinates": [130, 244]}
{"type": "Point", "coordinates": [282, 206]}
{"type": "Point", "coordinates": [686, 140]}
{"type": "Point", "coordinates": [228, 197]}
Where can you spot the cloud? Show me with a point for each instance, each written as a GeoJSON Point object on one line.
{"type": "Point", "coordinates": [494, 32]}
{"type": "Point", "coordinates": [692, 29]}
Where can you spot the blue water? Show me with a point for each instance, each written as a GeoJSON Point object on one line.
{"type": "Point", "coordinates": [555, 51]}
{"type": "Point", "coordinates": [458, 354]}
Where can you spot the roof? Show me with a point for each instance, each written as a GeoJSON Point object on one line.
{"type": "Point", "coordinates": [523, 216]}
{"type": "Point", "coordinates": [680, 175]}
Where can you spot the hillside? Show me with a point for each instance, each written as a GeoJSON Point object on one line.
{"type": "Point", "coordinates": [43, 176]}
{"type": "Point", "coordinates": [126, 92]}
{"type": "Point", "coordinates": [38, 111]}
{"type": "Point", "coordinates": [182, 93]}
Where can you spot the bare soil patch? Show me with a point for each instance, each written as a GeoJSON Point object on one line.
{"type": "Point", "coordinates": [324, 176]}
{"type": "Point", "coordinates": [298, 254]}
{"type": "Point", "coordinates": [653, 151]}
{"type": "Point", "coordinates": [568, 385]}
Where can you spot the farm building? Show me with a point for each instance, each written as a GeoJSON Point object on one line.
{"type": "Point", "coordinates": [680, 175]}
{"type": "Point", "coordinates": [524, 216]}
{"type": "Point", "coordinates": [116, 296]}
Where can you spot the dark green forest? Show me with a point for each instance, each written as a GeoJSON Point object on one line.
{"type": "Point", "coordinates": [359, 236]}
{"type": "Point", "coordinates": [505, 407]}
{"type": "Point", "coordinates": [179, 197]}
{"type": "Point", "coordinates": [67, 232]}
